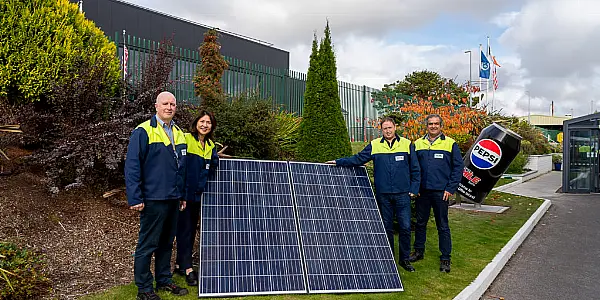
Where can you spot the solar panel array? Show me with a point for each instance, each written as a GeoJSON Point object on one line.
{"type": "Point", "coordinates": [344, 241]}
{"type": "Point", "coordinates": [273, 227]}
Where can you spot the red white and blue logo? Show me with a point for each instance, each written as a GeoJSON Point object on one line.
{"type": "Point", "coordinates": [486, 154]}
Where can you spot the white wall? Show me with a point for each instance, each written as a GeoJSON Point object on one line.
{"type": "Point", "coordinates": [540, 163]}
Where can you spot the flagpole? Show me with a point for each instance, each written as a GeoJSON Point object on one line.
{"type": "Point", "coordinates": [493, 95]}
{"type": "Point", "coordinates": [494, 66]}
{"type": "Point", "coordinates": [480, 95]}
{"type": "Point", "coordinates": [494, 74]}
{"type": "Point", "coordinates": [487, 80]}
{"type": "Point", "coordinates": [124, 58]}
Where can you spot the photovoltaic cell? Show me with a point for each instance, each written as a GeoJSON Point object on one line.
{"type": "Point", "coordinates": [343, 239]}
{"type": "Point", "coordinates": [249, 241]}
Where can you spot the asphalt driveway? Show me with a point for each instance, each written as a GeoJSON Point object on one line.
{"type": "Point", "coordinates": [560, 259]}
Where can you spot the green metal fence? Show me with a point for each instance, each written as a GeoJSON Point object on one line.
{"type": "Point", "coordinates": [284, 87]}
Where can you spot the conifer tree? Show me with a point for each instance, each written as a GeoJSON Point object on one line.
{"type": "Point", "coordinates": [323, 132]}
{"type": "Point", "coordinates": [207, 82]}
{"type": "Point", "coordinates": [43, 43]}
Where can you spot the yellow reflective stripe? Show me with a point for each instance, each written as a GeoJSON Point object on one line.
{"type": "Point", "coordinates": [377, 147]}
{"type": "Point", "coordinates": [439, 144]}
{"type": "Point", "coordinates": [194, 147]}
{"type": "Point", "coordinates": [178, 135]}
{"type": "Point", "coordinates": [158, 135]}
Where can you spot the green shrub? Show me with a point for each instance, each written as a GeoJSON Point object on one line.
{"type": "Point", "coordinates": [71, 132]}
{"type": "Point", "coordinates": [21, 275]}
{"type": "Point", "coordinates": [518, 164]}
{"type": "Point", "coordinates": [247, 126]}
{"type": "Point", "coordinates": [287, 130]}
{"type": "Point", "coordinates": [60, 79]}
{"type": "Point", "coordinates": [556, 148]}
{"type": "Point", "coordinates": [538, 143]}
{"type": "Point", "coordinates": [399, 117]}
{"type": "Point", "coordinates": [534, 142]}
{"type": "Point", "coordinates": [464, 141]}
{"type": "Point", "coordinates": [557, 158]}
{"type": "Point", "coordinates": [43, 42]}
{"type": "Point", "coordinates": [527, 147]}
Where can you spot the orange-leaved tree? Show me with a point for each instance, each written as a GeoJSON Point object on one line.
{"type": "Point", "coordinates": [461, 122]}
{"type": "Point", "coordinates": [421, 93]}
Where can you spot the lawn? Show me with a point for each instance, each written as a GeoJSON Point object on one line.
{"type": "Point", "coordinates": [476, 237]}
{"type": "Point", "coordinates": [503, 181]}
{"type": "Point", "coordinates": [358, 146]}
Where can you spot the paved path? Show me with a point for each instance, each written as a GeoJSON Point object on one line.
{"type": "Point", "coordinates": [561, 257]}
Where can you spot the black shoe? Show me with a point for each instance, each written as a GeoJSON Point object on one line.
{"type": "Point", "coordinates": [445, 265]}
{"type": "Point", "coordinates": [175, 290]}
{"type": "Point", "coordinates": [191, 279]}
{"type": "Point", "coordinates": [147, 296]}
{"type": "Point", "coordinates": [405, 264]}
{"type": "Point", "coordinates": [415, 256]}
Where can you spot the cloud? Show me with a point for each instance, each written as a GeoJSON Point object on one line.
{"type": "Point", "coordinates": [287, 23]}
{"type": "Point", "coordinates": [556, 42]}
{"type": "Point", "coordinates": [547, 35]}
{"type": "Point", "coordinates": [373, 62]}
{"type": "Point", "coordinates": [505, 19]}
{"type": "Point", "coordinates": [359, 30]}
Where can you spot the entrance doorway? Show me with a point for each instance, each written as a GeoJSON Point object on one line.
{"type": "Point", "coordinates": [583, 170]}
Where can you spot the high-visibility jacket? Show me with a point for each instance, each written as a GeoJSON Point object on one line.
{"type": "Point", "coordinates": [200, 162]}
{"type": "Point", "coordinates": [152, 169]}
{"type": "Point", "coordinates": [396, 169]}
{"type": "Point", "coordinates": [441, 164]}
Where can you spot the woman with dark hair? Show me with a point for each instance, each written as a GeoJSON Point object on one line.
{"type": "Point", "coordinates": [201, 160]}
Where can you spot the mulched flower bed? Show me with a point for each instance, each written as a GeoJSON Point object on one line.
{"type": "Point", "coordinates": [88, 241]}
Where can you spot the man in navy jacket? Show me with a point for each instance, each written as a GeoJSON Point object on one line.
{"type": "Point", "coordinates": [441, 171]}
{"type": "Point", "coordinates": [154, 178]}
{"type": "Point", "coordinates": [397, 174]}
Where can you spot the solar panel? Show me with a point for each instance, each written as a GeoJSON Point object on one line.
{"type": "Point", "coordinates": [249, 241]}
{"type": "Point", "coordinates": [343, 239]}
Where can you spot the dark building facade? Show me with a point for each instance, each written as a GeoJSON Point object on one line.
{"type": "Point", "coordinates": [114, 16]}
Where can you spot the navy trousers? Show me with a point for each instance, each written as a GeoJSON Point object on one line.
{"type": "Point", "coordinates": [158, 224]}
{"type": "Point", "coordinates": [186, 234]}
{"type": "Point", "coordinates": [398, 205]}
{"type": "Point", "coordinates": [433, 199]}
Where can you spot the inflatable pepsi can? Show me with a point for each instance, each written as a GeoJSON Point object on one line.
{"type": "Point", "coordinates": [487, 160]}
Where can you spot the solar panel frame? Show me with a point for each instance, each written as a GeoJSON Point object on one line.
{"type": "Point", "coordinates": [391, 264]}
{"type": "Point", "coordinates": [294, 217]}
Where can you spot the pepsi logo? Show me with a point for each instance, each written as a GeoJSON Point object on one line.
{"type": "Point", "coordinates": [486, 154]}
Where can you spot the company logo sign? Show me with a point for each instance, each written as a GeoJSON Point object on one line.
{"type": "Point", "coordinates": [486, 154]}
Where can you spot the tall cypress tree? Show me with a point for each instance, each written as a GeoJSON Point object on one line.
{"type": "Point", "coordinates": [323, 132]}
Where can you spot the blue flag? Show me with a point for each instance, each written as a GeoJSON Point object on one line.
{"type": "Point", "coordinates": [484, 67]}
